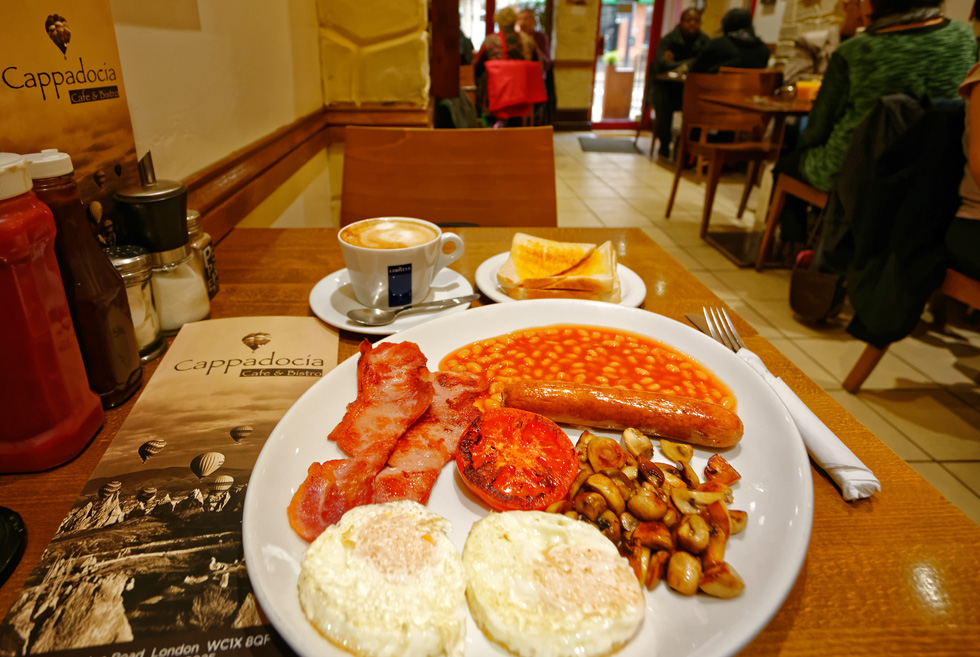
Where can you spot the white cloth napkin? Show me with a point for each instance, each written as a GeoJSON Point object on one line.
{"type": "Point", "coordinates": [854, 478]}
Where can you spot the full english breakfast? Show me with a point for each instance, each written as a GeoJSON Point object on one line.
{"type": "Point", "coordinates": [617, 520]}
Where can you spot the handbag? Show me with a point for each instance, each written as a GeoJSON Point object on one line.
{"type": "Point", "coordinates": [513, 85]}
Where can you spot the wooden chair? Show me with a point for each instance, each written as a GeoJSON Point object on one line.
{"type": "Point", "coordinates": [467, 82]}
{"type": "Point", "coordinates": [794, 187]}
{"type": "Point", "coordinates": [486, 177]}
{"type": "Point", "coordinates": [649, 119]}
{"type": "Point", "coordinates": [750, 144]}
{"type": "Point", "coordinates": [955, 286]}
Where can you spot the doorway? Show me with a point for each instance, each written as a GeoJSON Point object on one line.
{"type": "Point", "coordinates": [621, 66]}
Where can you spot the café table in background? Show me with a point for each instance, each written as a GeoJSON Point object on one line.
{"type": "Point", "coordinates": [891, 575]}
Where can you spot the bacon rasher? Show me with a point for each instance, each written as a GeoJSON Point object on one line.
{"type": "Point", "coordinates": [393, 389]}
{"type": "Point", "coordinates": [431, 442]}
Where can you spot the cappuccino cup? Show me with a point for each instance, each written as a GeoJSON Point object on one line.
{"type": "Point", "coordinates": [391, 261]}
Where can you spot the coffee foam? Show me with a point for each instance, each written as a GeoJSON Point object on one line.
{"type": "Point", "coordinates": [388, 234]}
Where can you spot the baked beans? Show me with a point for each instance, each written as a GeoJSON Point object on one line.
{"type": "Point", "coordinates": [585, 354]}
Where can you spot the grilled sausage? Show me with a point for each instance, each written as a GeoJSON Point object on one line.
{"type": "Point", "coordinates": [668, 416]}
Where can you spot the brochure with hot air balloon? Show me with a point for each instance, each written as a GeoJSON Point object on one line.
{"type": "Point", "coordinates": [148, 562]}
{"type": "Point", "coordinates": [61, 87]}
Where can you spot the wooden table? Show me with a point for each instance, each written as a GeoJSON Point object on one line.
{"type": "Point", "coordinates": [778, 109]}
{"type": "Point", "coordinates": [742, 247]}
{"type": "Point", "coordinates": [891, 575]}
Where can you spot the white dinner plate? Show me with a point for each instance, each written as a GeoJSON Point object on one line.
{"type": "Point", "coordinates": [775, 488]}
{"type": "Point", "coordinates": [632, 288]}
{"type": "Point", "coordinates": [333, 296]}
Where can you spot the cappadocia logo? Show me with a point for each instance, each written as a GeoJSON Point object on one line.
{"type": "Point", "coordinates": [58, 31]}
{"type": "Point", "coordinates": [255, 340]}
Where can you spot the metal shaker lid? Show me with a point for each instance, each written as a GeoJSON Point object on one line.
{"type": "Point", "coordinates": [129, 260]}
{"type": "Point", "coordinates": [160, 190]}
{"type": "Point", "coordinates": [150, 189]}
{"type": "Point", "coordinates": [194, 223]}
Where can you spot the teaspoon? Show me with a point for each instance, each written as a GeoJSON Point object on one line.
{"type": "Point", "coordinates": [381, 316]}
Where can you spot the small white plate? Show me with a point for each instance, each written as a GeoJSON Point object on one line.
{"type": "Point", "coordinates": [632, 288]}
{"type": "Point", "coordinates": [333, 296]}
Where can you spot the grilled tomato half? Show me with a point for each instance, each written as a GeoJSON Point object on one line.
{"type": "Point", "coordinates": [516, 460]}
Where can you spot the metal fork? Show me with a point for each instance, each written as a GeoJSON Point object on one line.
{"type": "Point", "coordinates": [826, 449]}
{"type": "Point", "coordinates": [721, 328]}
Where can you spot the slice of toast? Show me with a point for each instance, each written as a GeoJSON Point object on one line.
{"type": "Point", "coordinates": [612, 296]}
{"type": "Point", "coordinates": [536, 258]}
{"type": "Point", "coordinates": [596, 273]}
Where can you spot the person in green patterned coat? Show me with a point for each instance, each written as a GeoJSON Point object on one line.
{"type": "Point", "coordinates": [910, 48]}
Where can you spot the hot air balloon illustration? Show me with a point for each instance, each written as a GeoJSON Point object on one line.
{"type": "Point", "coordinates": [110, 489]}
{"type": "Point", "coordinates": [204, 464]}
{"type": "Point", "coordinates": [151, 448]}
{"type": "Point", "coordinates": [255, 340]}
{"type": "Point", "coordinates": [222, 483]}
{"type": "Point", "coordinates": [146, 494]}
{"type": "Point", "coordinates": [240, 433]}
{"type": "Point", "coordinates": [57, 28]}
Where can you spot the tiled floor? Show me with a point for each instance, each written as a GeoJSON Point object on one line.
{"type": "Point", "coordinates": [923, 398]}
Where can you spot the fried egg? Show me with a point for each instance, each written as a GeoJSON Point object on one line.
{"type": "Point", "coordinates": [386, 581]}
{"type": "Point", "coordinates": [545, 585]}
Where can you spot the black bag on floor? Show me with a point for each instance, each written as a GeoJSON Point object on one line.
{"type": "Point", "coordinates": [814, 295]}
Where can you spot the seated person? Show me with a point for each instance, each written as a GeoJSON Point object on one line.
{"type": "Point", "coordinates": [909, 48]}
{"type": "Point", "coordinates": [963, 234]}
{"type": "Point", "coordinates": [738, 47]}
{"type": "Point", "coordinates": [676, 52]}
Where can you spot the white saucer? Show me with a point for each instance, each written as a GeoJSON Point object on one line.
{"type": "Point", "coordinates": [632, 288]}
{"type": "Point", "coordinates": [333, 296]}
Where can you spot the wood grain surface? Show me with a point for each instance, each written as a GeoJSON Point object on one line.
{"type": "Point", "coordinates": [891, 575]}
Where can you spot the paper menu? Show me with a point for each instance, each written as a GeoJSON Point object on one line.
{"type": "Point", "coordinates": [149, 558]}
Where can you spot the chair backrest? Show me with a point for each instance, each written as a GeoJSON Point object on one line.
{"type": "Point", "coordinates": [487, 177]}
{"type": "Point", "coordinates": [699, 113]}
{"type": "Point", "coordinates": [466, 76]}
{"type": "Point", "coordinates": [962, 288]}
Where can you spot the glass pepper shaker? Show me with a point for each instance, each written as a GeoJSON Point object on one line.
{"type": "Point", "coordinates": [200, 243]}
{"type": "Point", "coordinates": [133, 264]}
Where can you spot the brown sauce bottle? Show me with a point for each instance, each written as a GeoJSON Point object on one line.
{"type": "Point", "coordinates": [95, 290]}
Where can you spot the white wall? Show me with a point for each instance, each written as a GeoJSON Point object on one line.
{"type": "Point", "coordinates": [206, 78]}
{"type": "Point", "coordinates": [958, 10]}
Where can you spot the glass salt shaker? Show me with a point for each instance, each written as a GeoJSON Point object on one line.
{"type": "Point", "coordinates": [133, 264]}
{"type": "Point", "coordinates": [200, 243]}
{"type": "Point", "coordinates": [178, 281]}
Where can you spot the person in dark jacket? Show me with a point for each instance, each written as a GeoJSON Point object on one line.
{"type": "Point", "coordinates": [739, 47]}
{"type": "Point", "coordinates": [676, 52]}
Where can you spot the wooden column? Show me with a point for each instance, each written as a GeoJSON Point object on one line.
{"type": "Point", "coordinates": [444, 56]}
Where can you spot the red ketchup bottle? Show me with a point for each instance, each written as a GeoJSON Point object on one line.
{"type": "Point", "coordinates": [48, 414]}
{"type": "Point", "coordinates": [95, 290]}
